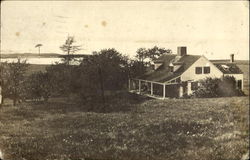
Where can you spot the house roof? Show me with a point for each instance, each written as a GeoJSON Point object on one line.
{"type": "Point", "coordinates": [228, 68]}
{"type": "Point", "coordinates": [163, 73]}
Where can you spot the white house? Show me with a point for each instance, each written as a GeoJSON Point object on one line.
{"type": "Point", "coordinates": [175, 75]}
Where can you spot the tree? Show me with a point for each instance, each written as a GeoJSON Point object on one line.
{"type": "Point", "coordinates": [141, 55]}
{"type": "Point", "coordinates": [139, 65]}
{"type": "Point", "coordinates": [15, 76]}
{"type": "Point", "coordinates": [105, 70]}
{"type": "Point", "coordinates": [4, 72]}
{"type": "Point", "coordinates": [1, 97]}
{"type": "Point", "coordinates": [60, 78]}
{"type": "Point", "coordinates": [151, 53]}
{"type": "Point", "coordinates": [136, 68]}
{"type": "Point", "coordinates": [37, 86]}
{"type": "Point", "coordinates": [38, 46]}
{"type": "Point", "coordinates": [69, 48]}
{"type": "Point", "coordinates": [155, 52]}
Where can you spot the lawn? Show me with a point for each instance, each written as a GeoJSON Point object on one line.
{"type": "Point", "coordinates": [132, 127]}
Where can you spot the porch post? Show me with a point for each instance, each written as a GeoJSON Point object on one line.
{"type": "Point", "coordinates": [164, 91]}
{"type": "Point", "coordinates": [151, 88]}
{"type": "Point", "coordinates": [139, 86]}
{"type": "Point", "coordinates": [189, 91]}
{"type": "Point", "coordinates": [181, 91]}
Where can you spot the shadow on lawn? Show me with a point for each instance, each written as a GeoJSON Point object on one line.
{"type": "Point", "coordinates": [120, 102]}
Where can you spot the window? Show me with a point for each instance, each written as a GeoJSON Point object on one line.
{"type": "Point", "coordinates": [206, 70]}
{"type": "Point", "coordinates": [194, 85]}
{"type": "Point", "coordinates": [198, 70]}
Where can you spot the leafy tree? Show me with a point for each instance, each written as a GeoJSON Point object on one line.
{"type": "Point", "coordinates": [138, 66]}
{"type": "Point", "coordinates": [141, 54]}
{"type": "Point", "coordinates": [61, 78]}
{"type": "Point", "coordinates": [155, 52]}
{"type": "Point", "coordinates": [37, 86]}
{"type": "Point", "coordinates": [3, 79]}
{"type": "Point", "coordinates": [15, 76]}
{"type": "Point", "coordinates": [69, 48]}
{"type": "Point", "coordinates": [105, 70]}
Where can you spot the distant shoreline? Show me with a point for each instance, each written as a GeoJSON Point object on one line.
{"type": "Point", "coordinates": [42, 55]}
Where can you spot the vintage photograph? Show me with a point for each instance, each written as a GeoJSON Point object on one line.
{"type": "Point", "coordinates": [124, 80]}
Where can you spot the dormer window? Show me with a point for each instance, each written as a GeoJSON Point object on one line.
{"type": "Point", "coordinates": [171, 66]}
{"type": "Point", "coordinates": [157, 65]}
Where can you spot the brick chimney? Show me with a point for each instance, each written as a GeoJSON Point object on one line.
{"type": "Point", "coordinates": [231, 58]}
{"type": "Point", "coordinates": [181, 51]}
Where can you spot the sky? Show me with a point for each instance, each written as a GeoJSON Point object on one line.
{"type": "Point", "coordinates": [214, 29]}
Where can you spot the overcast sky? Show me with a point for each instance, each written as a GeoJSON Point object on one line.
{"type": "Point", "coordinates": [214, 29]}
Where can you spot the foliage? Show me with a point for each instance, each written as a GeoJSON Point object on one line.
{"type": "Point", "coordinates": [13, 77]}
{"type": "Point", "coordinates": [216, 87]}
{"type": "Point", "coordinates": [105, 70]}
{"type": "Point", "coordinates": [38, 86]}
{"type": "Point", "coordinates": [140, 65]}
{"type": "Point", "coordinates": [62, 78]}
{"type": "Point", "coordinates": [151, 53]}
{"type": "Point", "coordinates": [141, 54]}
{"type": "Point", "coordinates": [155, 52]}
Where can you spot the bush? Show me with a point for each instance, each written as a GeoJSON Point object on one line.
{"type": "Point", "coordinates": [216, 87]}
{"type": "Point", "coordinates": [37, 86]}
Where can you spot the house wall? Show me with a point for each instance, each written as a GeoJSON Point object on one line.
{"type": "Point", "coordinates": [190, 75]}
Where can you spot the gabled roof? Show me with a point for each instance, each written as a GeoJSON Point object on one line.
{"type": "Point", "coordinates": [163, 73]}
{"type": "Point", "coordinates": [228, 68]}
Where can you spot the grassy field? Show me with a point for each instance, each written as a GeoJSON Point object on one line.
{"type": "Point", "coordinates": [132, 127]}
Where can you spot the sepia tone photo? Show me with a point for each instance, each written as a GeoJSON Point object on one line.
{"type": "Point", "coordinates": [124, 80]}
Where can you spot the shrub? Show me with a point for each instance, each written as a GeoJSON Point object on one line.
{"type": "Point", "coordinates": [216, 87]}
{"type": "Point", "coordinates": [37, 86]}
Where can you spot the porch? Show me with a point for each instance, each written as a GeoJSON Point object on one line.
{"type": "Point", "coordinates": [160, 90]}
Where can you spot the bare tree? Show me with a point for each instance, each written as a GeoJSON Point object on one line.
{"type": "Point", "coordinates": [69, 48]}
